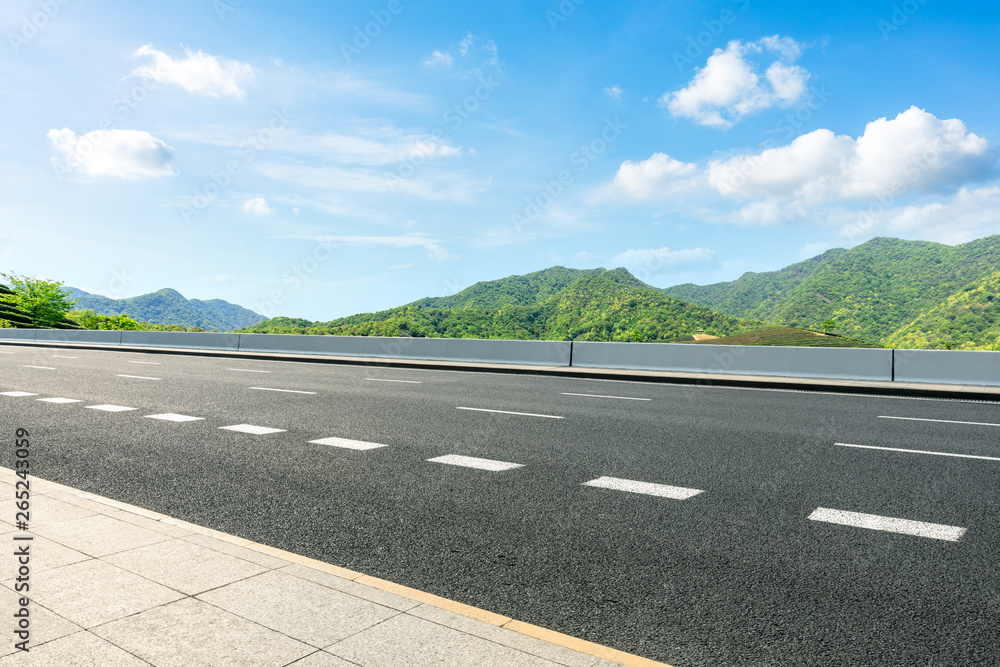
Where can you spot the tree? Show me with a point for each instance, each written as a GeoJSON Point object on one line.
{"type": "Point", "coordinates": [43, 301]}
{"type": "Point", "coordinates": [828, 325]}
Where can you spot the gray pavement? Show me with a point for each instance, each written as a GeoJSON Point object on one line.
{"type": "Point", "coordinates": [765, 540]}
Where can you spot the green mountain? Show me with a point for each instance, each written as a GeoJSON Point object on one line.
{"type": "Point", "coordinates": [871, 290]}
{"type": "Point", "coordinates": [554, 304]}
{"type": "Point", "coordinates": [967, 320]}
{"type": "Point", "coordinates": [168, 306]}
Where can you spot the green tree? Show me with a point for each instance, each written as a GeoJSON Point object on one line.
{"type": "Point", "coordinates": [828, 325]}
{"type": "Point", "coordinates": [43, 301]}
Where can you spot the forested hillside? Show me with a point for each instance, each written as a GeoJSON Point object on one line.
{"type": "Point", "coordinates": [168, 306]}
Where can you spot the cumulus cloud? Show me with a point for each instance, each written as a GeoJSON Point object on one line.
{"type": "Point", "coordinates": [658, 175]}
{"type": "Point", "coordinates": [729, 87]}
{"type": "Point", "coordinates": [257, 206]}
{"type": "Point", "coordinates": [654, 259]}
{"type": "Point", "coordinates": [128, 154]}
{"type": "Point", "coordinates": [439, 58]}
{"type": "Point", "coordinates": [199, 73]}
{"type": "Point", "coordinates": [913, 153]}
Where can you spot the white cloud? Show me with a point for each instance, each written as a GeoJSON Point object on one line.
{"type": "Point", "coordinates": [440, 59]}
{"type": "Point", "coordinates": [257, 206]}
{"type": "Point", "coordinates": [658, 175]}
{"type": "Point", "coordinates": [475, 46]}
{"type": "Point", "coordinates": [129, 154]}
{"type": "Point", "coordinates": [728, 86]}
{"type": "Point", "coordinates": [198, 73]}
{"type": "Point", "coordinates": [913, 153]}
{"type": "Point", "coordinates": [613, 91]}
{"type": "Point", "coordinates": [655, 259]}
{"type": "Point", "coordinates": [433, 246]}
{"type": "Point", "coordinates": [371, 146]}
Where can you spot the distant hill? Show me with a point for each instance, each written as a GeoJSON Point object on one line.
{"type": "Point", "coordinates": [872, 291]}
{"type": "Point", "coordinates": [968, 319]}
{"type": "Point", "coordinates": [168, 306]}
{"type": "Point", "coordinates": [554, 304]}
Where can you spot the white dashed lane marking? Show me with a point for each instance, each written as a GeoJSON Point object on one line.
{"type": "Point", "coordinates": [402, 381]}
{"type": "Point", "coordinates": [247, 370]}
{"type": "Point", "coordinates": [347, 444]}
{"type": "Point", "coordinates": [287, 391]}
{"type": "Point", "coordinates": [507, 412]}
{"type": "Point", "coordinates": [59, 356]}
{"type": "Point", "coordinates": [171, 417]}
{"type": "Point", "coordinates": [147, 363]}
{"type": "Point", "coordinates": [918, 451]}
{"type": "Point", "coordinates": [60, 400]}
{"type": "Point", "coordinates": [940, 421]}
{"type": "Point", "coordinates": [888, 524]}
{"type": "Point", "coordinates": [137, 377]}
{"type": "Point", "coordinates": [43, 368]}
{"type": "Point", "coordinates": [473, 462]}
{"type": "Point", "coordinates": [624, 398]}
{"type": "Point", "coordinates": [255, 430]}
{"type": "Point", "coordinates": [17, 394]}
{"type": "Point", "coordinates": [110, 408]}
{"type": "Point", "coordinates": [647, 488]}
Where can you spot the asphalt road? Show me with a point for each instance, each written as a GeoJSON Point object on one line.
{"type": "Point", "coordinates": [737, 574]}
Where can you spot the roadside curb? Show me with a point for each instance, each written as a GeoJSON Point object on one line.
{"type": "Point", "coordinates": [905, 389]}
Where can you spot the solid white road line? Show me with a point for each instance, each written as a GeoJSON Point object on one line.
{"type": "Point", "coordinates": [403, 381]}
{"type": "Point", "coordinates": [17, 394]}
{"type": "Point", "coordinates": [941, 421]}
{"type": "Point", "coordinates": [247, 370]}
{"type": "Point", "coordinates": [287, 391]}
{"type": "Point", "coordinates": [6, 352]}
{"type": "Point", "coordinates": [256, 430]}
{"type": "Point", "coordinates": [59, 356]}
{"type": "Point", "coordinates": [648, 488]}
{"type": "Point", "coordinates": [473, 462]}
{"type": "Point", "coordinates": [59, 400]}
{"type": "Point", "coordinates": [147, 363]}
{"type": "Point", "coordinates": [137, 377]}
{"type": "Point", "coordinates": [347, 444]}
{"type": "Point", "coordinates": [918, 451]}
{"type": "Point", "coordinates": [44, 368]}
{"type": "Point", "coordinates": [507, 412]}
{"type": "Point", "coordinates": [624, 398]}
{"type": "Point", "coordinates": [172, 417]}
{"type": "Point", "coordinates": [888, 524]}
{"type": "Point", "coordinates": [110, 408]}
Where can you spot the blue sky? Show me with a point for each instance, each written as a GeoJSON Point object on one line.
{"type": "Point", "coordinates": [320, 159]}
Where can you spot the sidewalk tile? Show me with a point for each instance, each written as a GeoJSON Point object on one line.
{"type": "Point", "coordinates": [45, 626]}
{"type": "Point", "coordinates": [100, 535]}
{"type": "Point", "coordinates": [81, 649]}
{"type": "Point", "coordinates": [190, 633]}
{"type": "Point", "coordinates": [46, 554]}
{"type": "Point", "coordinates": [351, 588]}
{"type": "Point", "coordinates": [298, 608]}
{"type": "Point", "coordinates": [408, 641]}
{"type": "Point", "coordinates": [79, 501]}
{"type": "Point", "coordinates": [94, 592]}
{"type": "Point", "coordinates": [46, 511]}
{"type": "Point", "coordinates": [183, 566]}
{"type": "Point", "coordinates": [321, 659]}
{"type": "Point", "coordinates": [515, 640]}
{"type": "Point", "coordinates": [263, 560]}
{"type": "Point", "coordinates": [147, 523]}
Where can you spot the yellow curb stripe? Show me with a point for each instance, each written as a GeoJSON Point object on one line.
{"type": "Point", "coordinates": [520, 627]}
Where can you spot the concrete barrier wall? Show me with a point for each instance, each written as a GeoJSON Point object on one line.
{"type": "Point", "coordinates": [181, 339]}
{"type": "Point", "coordinates": [17, 334]}
{"type": "Point", "coordinates": [535, 352]}
{"type": "Point", "coordinates": [948, 367]}
{"type": "Point", "coordinates": [805, 362]}
{"type": "Point", "coordinates": [79, 337]}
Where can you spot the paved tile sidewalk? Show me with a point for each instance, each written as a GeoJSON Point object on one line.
{"type": "Point", "coordinates": [113, 584]}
